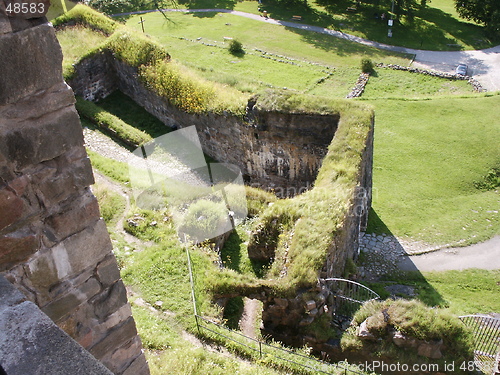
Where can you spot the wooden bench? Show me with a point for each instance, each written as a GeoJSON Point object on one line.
{"type": "Point", "coordinates": [297, 18]}
{"type": "Point", "coordinates": [352, 9]}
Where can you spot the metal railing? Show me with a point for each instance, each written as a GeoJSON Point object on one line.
{"type": "Point", "coordinates": [486, 330]}
{"type": "Point", "coordinates": [264, 349]}
{"type": "Point", "coordinates": [349, 295]}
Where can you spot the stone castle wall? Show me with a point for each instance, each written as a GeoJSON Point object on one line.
{"type": "Point", "coordinates": [277, 151]}
{"type": "Point", "coordinates": [54, 246]}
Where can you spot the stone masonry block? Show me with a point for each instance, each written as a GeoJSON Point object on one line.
{"type": "Point", "coordinates": [82, 213]}
{"type": "Point", "coordinates": [51, 100]}
{"type": "Point", "coordinates": [5, 26]}
{"type": "Point", "coordinates": [115, 339]}
{"type": "Point", "coordinates": [107, 271]}
{"type": "Point", "coordinates": [70, 257]}
{"type": "Point", "coordinates": [35, 62]}
{"type": "Point", "coordinates": [17, 247]}
{"type": "Point", "coordinates": [33, 141]}
{"type": "Point", "coordinates": [88, 247]}
{"type": "Point", "coordinates": [138, 367]}
{"type": "Point", "coordinates": [12, 208]}
{"type": "Point", "coordinates": [55, 183]}
{"type": "Point", "coordinates": [63, 306]}
{"type": "Point", "coordinates": [109, 301]}
{"type": "Point", "coordinates": [60, 308]}
{"type": "Point", "coordinates": [119, 360]}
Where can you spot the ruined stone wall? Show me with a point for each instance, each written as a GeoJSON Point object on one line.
{"type": "Point", "coordinates": [94, 78]}
{"type": "Point", "coordinates": [345, 245]}
{"type": "Point", "coordinates": [54, 247]}
{"type": "Point", "coordinates": [274, 150]}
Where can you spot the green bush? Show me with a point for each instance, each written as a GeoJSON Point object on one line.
{"type": "Point", "coordinates": [203, 218]}
{"type": "Point", "coordinates": [111, 124]}
{"type": "Point", "coordinates": [367, 66]}
{"type": "Point", "coordinates": [236, 48]}
{"type": "Point", "coordinates": [258, 200]}
{"type": "Point", "coordinates": [490, 182]}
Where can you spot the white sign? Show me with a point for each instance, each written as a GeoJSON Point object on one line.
{"type": "Point", "coordinates": [390, 22]}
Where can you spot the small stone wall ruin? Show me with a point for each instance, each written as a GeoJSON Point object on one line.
{"type": "Point", "coordinates": [54, 246]}
{"type": "Point", "coordinates": [275, 151]}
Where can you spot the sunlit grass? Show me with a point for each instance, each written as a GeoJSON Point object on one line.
{"type": "Point", "coordinates": [76, 41]}
{"type": "Point", "coordinates": [428, 153]}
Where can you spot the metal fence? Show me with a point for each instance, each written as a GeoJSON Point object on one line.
{"type": "Point", "coordinates": [264, 349]}
{"type": "Point", "coordinates": [292, 358]}
{"type": "Point", "coordinates": [349, 296]}
{"type": "Point", "coordinates": [486, 330]}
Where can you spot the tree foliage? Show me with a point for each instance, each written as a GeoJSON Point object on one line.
{"type": "Point", "coordinates": [486, 12]}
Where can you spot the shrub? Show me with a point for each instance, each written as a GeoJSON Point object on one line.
{"type": "Point", "coordinates": [236, 48]}
{"type": "Point", "coordinates": [136, 50]}
{"type": "Point", "coordinates": [204, 219]}
{"type": "Point", "coordinates": [491, 181]}
{"type": "Point", "coordinates": [367, 66]}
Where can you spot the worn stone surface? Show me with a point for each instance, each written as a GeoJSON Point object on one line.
{"type": "Point", "coordinates": [37, 51]}
{"type": "Point", "coordinates": [25, 332]}
{"type": "Point", "coordinates": [431, 349]}
{"type": "Point", "coordinates": [16, 247]}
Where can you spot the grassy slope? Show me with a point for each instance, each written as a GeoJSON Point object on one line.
{"type": "Point", "coordinates": [425, 166]}
{"type": "Point", "coordinates": [76, 42]}
{"type": "Point", "coordinates": [252, 71]}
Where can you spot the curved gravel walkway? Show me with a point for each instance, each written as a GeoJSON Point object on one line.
{"type": "Point", "coordinates": [484, 65]}
{"type": "Point", "coordinates": [386, 254]}
{"type": "Point", "coordinates": [173, 168]}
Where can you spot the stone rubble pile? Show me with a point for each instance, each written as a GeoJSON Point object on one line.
{"type": "Point", "coordinates": [359, 88]}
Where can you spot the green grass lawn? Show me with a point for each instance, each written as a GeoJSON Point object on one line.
{"type": "Point", "coordinates": [428, 154]}
{"type": "Point", "coordinates": [76, 41]}
{"type": "Point", "coordinates": [296, 59]}
{"type": "Point", "coordinates": [470, 291]}
{"type": "Point", "coordinates": [334, 76]}
{"type": "Point", "coordinates": [436, 26]}
{"type": "Point", "coordinates": [385, 83]}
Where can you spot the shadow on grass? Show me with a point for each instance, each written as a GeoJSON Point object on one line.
{"type": "Point", "coordinates": [207, 4]}
{"type": "Point", "coordinates": [233, 312]}
{"type": "Point", "coordinates": [405, 280]}
{"type": "Point", "coordinates": [130, 112]}
{"type": "Point", "coordinates": [423, 27]}
{"type": "Point", "coordinates": [232, 259]}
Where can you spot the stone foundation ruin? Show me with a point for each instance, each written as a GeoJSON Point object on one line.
{"type": "Point", "coordinates": [277, 150]}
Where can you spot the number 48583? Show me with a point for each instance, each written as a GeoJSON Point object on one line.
{"type": "Point", "coordinates": [25, 8]}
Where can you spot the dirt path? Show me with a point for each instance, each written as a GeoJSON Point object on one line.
{"type": "Point", "coordinates": [249, 317]}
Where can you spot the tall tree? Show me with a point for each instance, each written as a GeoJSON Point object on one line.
{"type": "Point", "coordinates": [486, 12]}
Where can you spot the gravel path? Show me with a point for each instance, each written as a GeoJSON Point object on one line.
{"type": "Point", "coordinates": [385, 254]}
{"type": "Point", "coordinates": [169, 166]}
{"type": "Point", "coordinates": [484, 65]}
